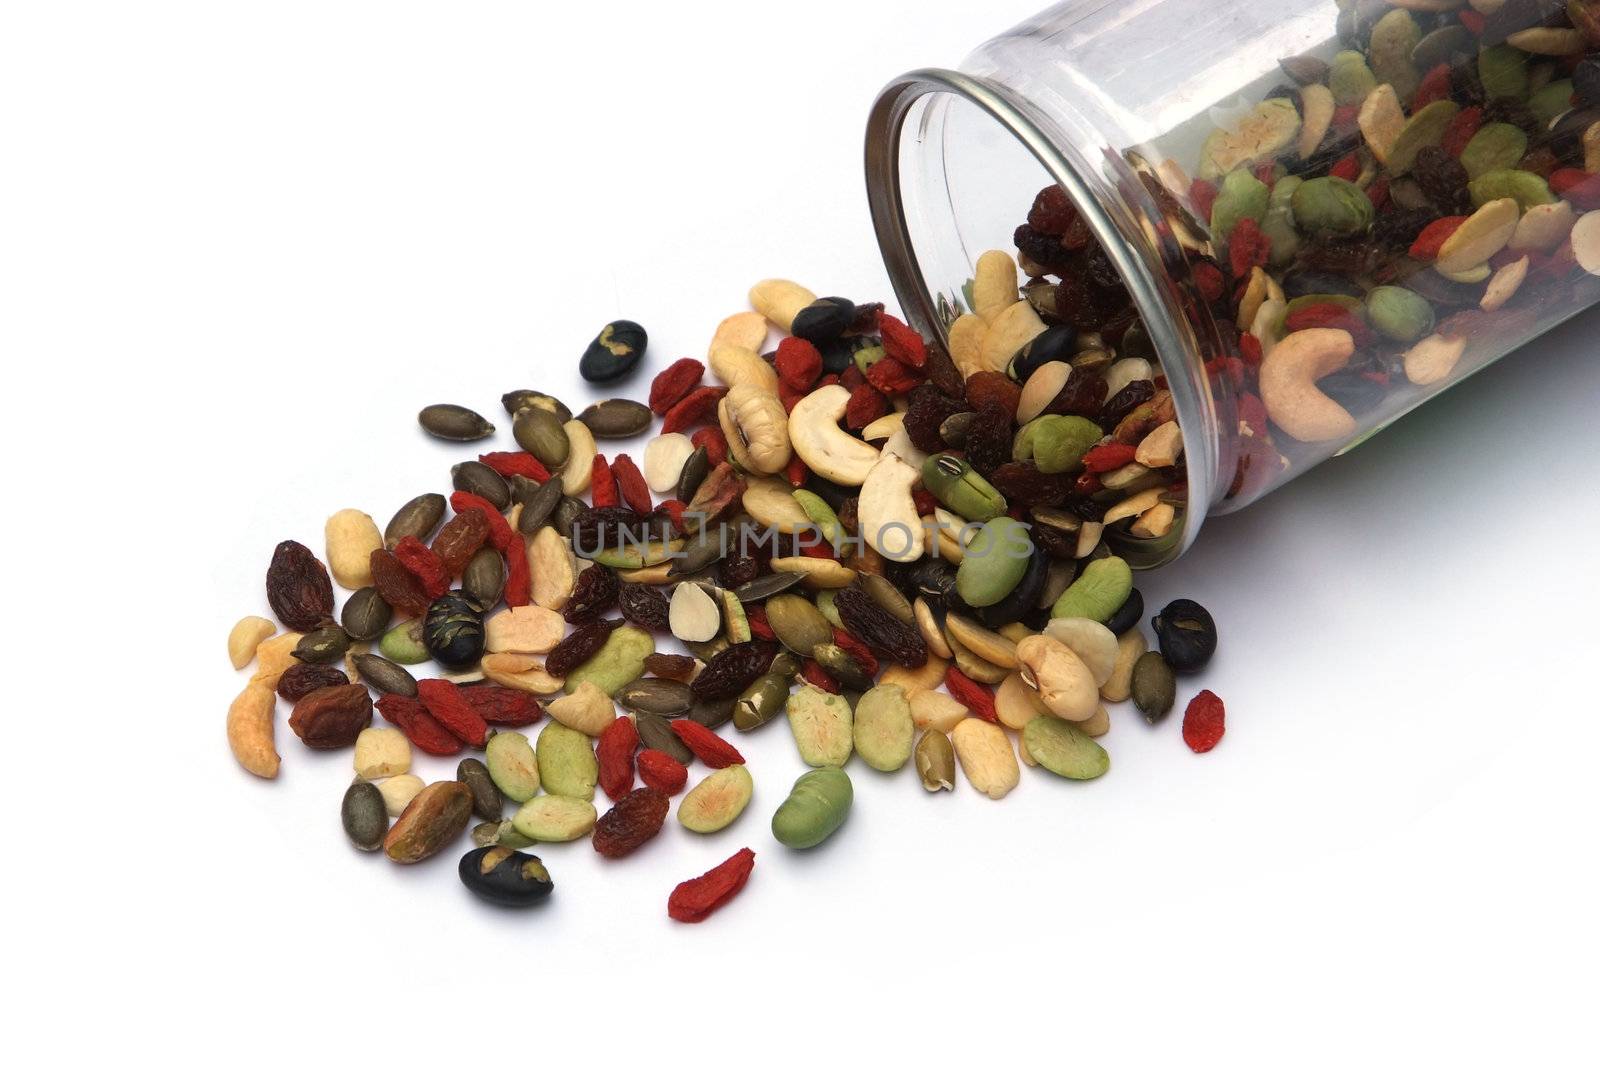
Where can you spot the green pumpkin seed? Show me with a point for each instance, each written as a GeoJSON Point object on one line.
{"type": "Point", "coordinates": [799, 625]}
{"type": "Point", "coordinates": [1398, 313]}
{"type": "Point", "coordinates": [487, 800]}
{"type": "Point", "coordinates": [954, 429]}
{"type": "Point", "coordinates": [1350, 78]}
{"type": "Point", "coordinates": [364, 815]}
{"type": "Point", "coordinates": [617, 418]}
{"type": "Point", "coordinates": [760, 703]}
{"type": "Point", "coordinates": [936, 761]}
{"type": "Point", "coordinates": [1443, 46]}
{"type": "Point", "coordinates": [888, 597]}
{"type": "Point", "coordinates": [382, 675]}
{"type": "Point", "coordinates": [1523, 187]}
{"type": "Point", "coordinates": [655, 695]}
{"type": "Point", "coordinates": [1154, 687]}
{"type": "Point", "coordinates": [417, 518]}
{"type": "Point", "coordinates": [1064, 749]}
{"type": "Point", "coordinates": [484, 579]}
{"type": "Point", "coordinates": [322, 646]}
{"type": "Point", "coordinates": [518, 400]}
{"type": "Point", "coordinates": [539, 506]}
{"type": "Point", "coordinates": [821, 514]}
{"type": "Point", "coordinates": [1551, 101]}
{"type": "Point", "coordinates": [764, 587]}
{"type": "Point", "coordinates": [455, 423]}
{"type": "Point", "coordinates": [500, 834]}
{"type": "Point", "coordinates": [1394, 38]}
{"type": "Point", "coordinates": [656, 732]}
{"type": "Point", "coordinates": [712, 713]}
{"type": "Point", "coordinates": [476, 478]}
{"type": "Point", "coordinates": [365, 615]}
{"type": "Point", "coordinates": [1425, 128]}
{"type": "Point", "coordinates": [541, 434]}
{"type": "Point", "coordinates": [816, 807]}
{"type": "Point", "coordinates": [1495, 147]}
{"type": "Point", "coordinates": [1503, 70]}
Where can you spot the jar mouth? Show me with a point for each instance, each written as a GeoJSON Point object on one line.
{"type": "Point", "coordinates": [1124, 218]}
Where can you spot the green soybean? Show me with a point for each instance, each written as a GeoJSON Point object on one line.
{"type": "Point", "coordinates": [817, 805]}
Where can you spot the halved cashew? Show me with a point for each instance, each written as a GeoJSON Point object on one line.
{"type": "Point", "coordinates": [579, 469]}
{"type": "Point", "coordinates": [1543, 227]}
{"type": "Point", "coordinates": [771, 505]}
{"type": "Point", "coordinates": [1432, 359]}
{"type": "Point", "coordinates": [779, 300]}
{"type": "Point", "coordinates": [883, 427]}
{"type": "Point", "coordinates": [1066, 686]}
{"type": "Point", "coordinates": [888, 514]}
{"type": "Point", "coordinates": [966, 337]}
{"type": "Point", "coordinates": [1317, 102]}
{"type": "Point", "coordinates": [1381, 121]}
{"type": "Point", "coordinates": [825, 447]}
{"type": "Point", "coordinates": [1506, 282]}
{"type": "Point", "coordinates": [756, 427]}
{"type": "Point", "coordinates": [1265, 326]}
{"type": "Point", "coordinates": [1289, 377]}
{"type": "Point", "coordinates": [1009, 331]}
{"type": "Point", "coordinates": [738, 367]}
{"type": "Point", "coordinates": [994, 284]}
{"type": "Point", "coordinates": [744, 330]}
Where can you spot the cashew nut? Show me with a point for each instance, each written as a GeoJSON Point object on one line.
{"type": "Point", "coordinates": [1066, 686]}
{"type": "Point", "coordinates": [1289, 377]}
{"type": "Point", "coordinates": [779, 300]}
{"type": "Point", "coordinates": [965, 337]}
{"type": "Point", "coordinates": [887, 513]}
{"type": "Point", "coordinates": [899, 444]}
{"type": "Point", "coordinates": [1505, 283]}
{"type": "Point", "coordinates": [825, 447]}
{"type": "Point", "coordinates": [1009, 331]}
{"type": "Point", "coordinates": [579, 469]}
{"type": "Point", "coordinates": [771, 505]}
{"type": "Point", "coordinates": [250, 730]}
{"type": "Point", "coordinates": [756, 427]}
{"type": "Point", "coordinates": [1432, 359]}
{"type": "Point", "coordinates": [744, 330]}
{"type": "Point", "coordinates": [994, 284]}
{"type": "Point", "coordinates": [737, 366]}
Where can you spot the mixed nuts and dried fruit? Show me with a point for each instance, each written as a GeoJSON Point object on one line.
{"type": "Point", "coordinates": [902, 561]}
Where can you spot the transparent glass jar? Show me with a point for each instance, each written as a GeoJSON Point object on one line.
{"type": "Point", "coordinates": [1119, 103]}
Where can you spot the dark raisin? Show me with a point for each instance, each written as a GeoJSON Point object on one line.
{"type": "Point", "coordinates": [1083, 395]}
{"type": "Point", "coordinates": [1586, 82]}
{"type": "Point", "coordinates": [989, 439]}
{"type": "Point", "coordinates": [1043, 249]}
{"type": "Point", "coordinates": [644, 606]}
{"type": "Point", "coordinates": [303, 678]}
{"type": "Point", "coordinates": [1102, 273]}
{"type": "Point", "coordinates": [1343, 257]}
{"type": "Point", "coordinates": [298, 588]}
{"type": "Point", "coordinates": [1052, 212]}
{"type": "Point", "coordinates": [866, 321]}
{"type": "Point", "coordinates": [733, 669]}
{"type": "Point", "coordinates": [942, 371]}
{"type": "Point", "coordinates": [1024, 485]}
{"type": "Point", "coordinates": [849, 514]}
{"type": "Point", "coordinates": [607, 528]}
{"type": "Point", "coordinates": [737, 569]}
{"type": "Point", "coordinates": [1442, 180]}
{"type": "Point", "coordinates": [929, 408]}
{"type": "Point", "coordinates": [579, 647]}
{"type": "Point", "coordinates": [880, 630]}
{"type": "Point", "coordinates": [630, 823]}
{"type": "Point", "coordinates": [593, 594]}
{"type": "Point", "coordinates": [1513, 111]}
{"type": "Point", "coordinates": [673, 667]}
{"type": "Point", "coordinates": [1396, 230]}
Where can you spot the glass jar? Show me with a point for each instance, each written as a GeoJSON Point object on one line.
{"type": "Point", "coordinates": [1343, 131]}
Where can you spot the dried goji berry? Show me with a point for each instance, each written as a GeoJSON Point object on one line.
{"type": "Point", "coordinates": [423, 564]}
{"type": "Point", "coordinates": [707, 746]}
{"type": "Point", "coordinates": [1250, 349]}
{"type": "Point", "coordinates": [1435, 85]}
{"type": "Point", "coordinates": [901, 342]}
{"type": "Point", "coordinates": [1108, 457]}
{"type": "Point", "coordinates": [1248, 247]}
{"type": "Point", "coordinates": [499, 528]}
{"type": "Point", "coordinates": [1577, 186]}
{"type": "Point", "coordinates": [1208, 280]}
{"type": "Point", "coordinates": [509, 463]}
{"type": "Point", "coordinates": [813, 673]}
{"type": "Point", "coordinates": [1204, 196]}
{"type": "Point", "coordinates": [673, 382]}
{"type": "Point", "coordinates": [602, 484]}
{"type": "Point", "coordinates": [970, 694]}
{"type": "Point", "coordinates": [1460, 130]}
{"type": "Point", "coordinates": [1473, 21]}
{"type": "Point", "coordinates": [696, 408]}
{"type": "Point", "coordinates": [498, 705]}
{"type": "Point", "coordinates": [615, 753]}
{"type": "Point", "coordinates": [759, 628]}
{"type": "Point", "coordinates": [661, 771]}
{"type": "Point", "coordinates": [790, 397]}
{"type": "Point", "coordinates": [861, 651]}
{"type": "Point", "coordinates": [674, 510]}
{"type": "Point", "coordinates": [865, 406]}
{"type": "Point", "coordinates": [444, 702]}
{"type": "Point", "coordinates": [694, 900]}
{"type": "Point", "coordinates": [630, 484]}
{"type": "Point", "coordinates": [421, 728]}
{"type": "Point", "coordinates": [924, 502]}
{"type": "Point", "coordinates": [849, 379]}
{"type": "Point", "coordinates": [714, 441]}
{"type": "Point", "coordinates": [798, 362]}
{"type": "Point", "coordinates": [460, 539]}
{"type": "Point", "coordinates": [796, 472]}
{"type": "Point", "coordinates": [396, 585]}
{"type": "Point", "coordinates": [1433, 236]}
{"type": "Point", "coordinates": [1378, 192]}
{"type": "Point", "coordinates": [1348, 168]}
{"type": "Point", "coordinates": [892, 377]}
{"type": "Point", "coordinates": [519, 577]}
{"type": "Point", "coordinates": [1203, 722]}
{"type": "Point", "coordinates": [1329, 314]}
{"type": "Point", "coordinates": [630, 823]}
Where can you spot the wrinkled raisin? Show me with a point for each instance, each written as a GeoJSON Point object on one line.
{"type": "Point", "coordinates": [1082, 395]}
{"type": "Point", "coordinates": [460, 539]}
{"type": "Point", "coordinates": [733, 669]}
{"type": "Point", "coordinates": [880, 630]}
{"type": "Point", "coordinates": [993, 388]}
{"type": "Point", "coordinates": [298, 588]}
{"type": "Point", "coordinates": [1396, 230]}
{"type": "Point", "coordinates": [396, 586]}
{"type": "Point", "coordinates": [1043, 249]}
{"type": "Point", "coordinates": [1345, 258]}
{"type": "Point", "coordinates": [579, 647]}
{"type": "Point", "coordinates": [607, 527]}
{"type": "Point", "coordinates": [1023, 484]}
{"type": "Point", "coordinates": [1052, 212]}
{"type": "Point", "coordinates": [989, 439]}
{"type": "Point", "coordinates": [942, 371]}
{"type": "Point", "coordinates": [929, 408]}
{"type": "Point", "coordinates": [737, 569]}
{"type": "Point", "coordinates": [644, 606]}
{"type": "Point", "coordinates": [303, 678]}
{"type": "Point", "coordinates": [593, 594]}
{"type": "Point", "coordinates": [673, 667]}
{"type": "Point", "coordinates": [630, 823]}
{"type": "Point", "coordinates": [1443, 180]}
{"type": "Point", "coordinates": [1124, 402]}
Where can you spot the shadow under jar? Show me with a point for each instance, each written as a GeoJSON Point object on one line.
{"type": "Point", "coordinates": [1307, 216]}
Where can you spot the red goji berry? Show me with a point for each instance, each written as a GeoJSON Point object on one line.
{"type": "Point", "coordinates": [602, 484]}
{"type": "Point", "coordinates": [1433, 236]}
{"type": "Point", "coordinates": [395, 583]}
{"type": "Point", "coordinates": [759, 628]}
{"type": "Point", "coordinates": [424, 564]}
{"type": "Point", "coordinates": [421, 728]}
{"type": "Point", "coordinates": [500, 532]}
{"type": "Point", "coordinates": [661, 771]}
{"type": "Point", "coordinates": [789, 397]}
{"type": "Point", "coordinates": [1328, 314]}
{"type": "Point", "coordinates": [1208, 280]}
{"type": "Point", "coordinates": [924, 502]}
{"type": "Point", "coordinates": [714, 441]}
{"type": "Point", "coordinates": [1435, 85]}
{"type": "Point", "coordinates": [1204, 196]}
{"type": "Point", "coordinates": [1267, 173]}
{"type": "Point", "coordinates": [1345, 116]}
{"type": "Point", "coordinates": [694, 900]}
{"type": "Point", "coordinates": [814, 674]}
{"type": "Point", "coordinates": [673, 383]}
{"type": "Point", "coordinates": [444, 702]}
{"type": "Point", "coordinates": [1253, 414]}
{"type": "Point", "coordinates": [1250, 349]}
{"type": "Point", "coordinates": [498, 705]}
{"type": "Point", "coordinates": [707, 746]}
{"type": "Point", "coordinates": [698, 406]}
{"type": "Point", "coordinates": [1204, 722]}
{"type": "Point", "coordinates": [798, 362]}
{"type": "Point", "coordinates": [901, 342]}
{"type": "Point", "coordinates": [1473, 21]}
{"type": "Point", "coordinates": [1108, 457]}
{"type": "Point", "coordinates": [1348, 168]}
{"type": "Point", "coordinates": [1248, 247]}
{"type": "Point", "coordinates": [673, 509]}
{"type": "Point", "coordinates": [796, 472]}
{"type": "Point", "coordinates": [519, 578]}
{"type": "Point", "coordinates": [816, 547]}
{"type": "Point", "coordinates": [892, 377]}
{"type": "Point", "coordinates": [615, 754]}
{"type": "Point", "coordinates": [859, 650]}
{"type": "Point", "coordinates": [865, 406]}
{"type": "Point", "coordinates": [1460, 130]}
{"type": "Point", "coordinates": [1579, 187]}
{"type": "Point", "coordinates": [630, 484]}
{"type": "Point", "coordinates": [849, 379]}
{"type": "Point", "coordinates": [1378, 192]}
{"type": "Point", "coordinates": [509, 463]}
{"type": "Point", "coordinates": [970, 694]}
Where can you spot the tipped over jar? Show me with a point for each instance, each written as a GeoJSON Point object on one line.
{"type": "Point", "coordinates": [1240, 237]}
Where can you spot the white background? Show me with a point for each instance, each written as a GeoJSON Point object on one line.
{"type": "Point", "coordinates": [244, 243]}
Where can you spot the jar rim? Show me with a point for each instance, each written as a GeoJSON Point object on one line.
{"type": "Point", "coordinates": [1130, 234]}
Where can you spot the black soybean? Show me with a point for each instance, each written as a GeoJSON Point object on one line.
{"type": "Point", "coordinates": [615, 352]}
{"type": "Point", "coordinates": [1186, 635]}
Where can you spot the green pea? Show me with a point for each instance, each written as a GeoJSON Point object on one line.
{"type": "Point", "coordinates": [817, 805]}
{"type": "Point", "coordinates": [1242, 196]}
{"type": "Point", "coordinates": [1331, 206]}
{"type": "Point", "coordinates": [403, 644]}
{"type": "Point", "coordinates": [1099, 591]}
{"type": "Point", "coordinates": [1060, 442]}
{"type": "Point", "coordinates": [994, 563]}
{"type": "Point", "coordinates": [1398, 313]}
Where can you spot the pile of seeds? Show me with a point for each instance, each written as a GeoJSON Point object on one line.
{"type": "Point", "coordinates": [847, 533]}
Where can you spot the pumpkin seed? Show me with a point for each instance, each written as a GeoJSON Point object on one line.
{"type": "Point", "coordinates": [514, 765]}
{"type": "Point", "coordinates": [888, 597]}
{"type": "Point", "coordinates": [518, 400]}
{"type": "Point", "coordinates": [485, 577]}
{"type": "Point", "coordinates": [760, 703]}
{"type": "Point", "coordinates": [540, 506]}
{"type": "Point", "coordinates": [417, 518]}
{"type": "Point", "coordinates": [656, 695]}
{"type": "Point", "coordinates": [365, 615]}
{"type": "Point", "coordinates": [1154, 687]}
{"type": "Point", "coordinates": [487, 801]}
{"type": "Point", "coordinates": [617, 418]}
{"type": "Point", "coordinates": [322, 646]}
{"type": "Point", "coordinates": [936, 761]}
{"type": "Point", "coordinates": [764, 587]}
{"type": "Point", "coordinates": [713, 713]}
{"type": "Point", "coordinates": [382, 675]}
{"type": "Point", "coordinates": [799, 625]}
{"type": "Point", "coordinates": [364, 815]}
{"type": "Point", "coordinates": [655, 732]}
{"type": "Point", "coordinates": [542, 435]}
{"type": "Point", "coordinates": [555, 819]}
{"type": "Point", "coordinates": [695, 470]}
{"type": "Point", "coordinates": [476, 478]}
{"type": "Point", "coordinates": [455, 423]}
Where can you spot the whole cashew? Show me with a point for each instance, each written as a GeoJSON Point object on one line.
{"type": "Point", "coordinates": [737, 367]}
{"type": "Point", "coordinates": [1289, 377]}
{"type": "Point", "coordinates": [250, 730]}
{"type": "Point", "coordinates": [1432, 359]}
{"type": "Point", "coordinates": [779, 300]}
{"type": "Point", "coordinates": [1009, 331]}
{"type": "Point", "coordinates": [1066, 686]}
{"type": "Point", "coordinates": [825, 447]}
{"type": "Point", "coordinates": [745, 330]}
{"type": "Point", "coordinates": [756, 427]}
{"type": "Point", "coordinates": [887, 513]}
{"type": "Point", "coordinates": [994, 284]}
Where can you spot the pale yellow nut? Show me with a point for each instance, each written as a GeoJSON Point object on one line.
{"type": "Point", "coordinates": [1134, 505]}
{"type": "Point", "coordinates": [553, 569]}
{"type": "Point", "coordinates": [987, 645]}
{"type": "Point", "coordinates": [663, 460]}
{"type": "Point", "coordinates": [986, 757]}
{"type": "Point", "coordinates": [737, 366]}
{"type": "Point", "coordinates": [399, 791]}
{"type": "Point", "coordinates": [1162, 447]}
{"type": "Point", "coordinates": [351, 537]}
{"type": "Point", "coordinates": [1154, 522]}
{"type": "Point", "coordinates": [524, 630]}
{"type": "Point", "coordinates": [1009, 331]}
{"type": "Point", "coordinates": [382, 751]}
{"type": "Point", "coordinates": [994, 284]}
{"type": "Point", "coordinates": [273, 656]}
{"type": "Point", "coordinates": [245, 636]}
{"type": "Point", "coordinates": [1093, 643]}
{"type": "Point", "coordinates": [251, 730]}
{"type": "Point", "coordinates": [887, 513]}
{"type": "Point", "coordinates": [823, 573]}
{"type": "Point", "coordinates": [1317, 102]}
{"type": "Point", "coordinates": [1548, 40]}
{"type": "Point", "coordinates": [1543, 227]}
{"type": "Point", "coordinates": [1016, 703]}
{"type": "Point", "coordinates": [579, 469]}
{"type": "Point", "coordinates": [1098, 725]}
{"type": "Point", "coordinates": [1065, 684]}
{"type": "Point", "coordinates": [1174, 178]}
{"type": "Point", "coordinates": [757, 429]}
{"type": "Point", "coordinates": [1289, 377]}
{"type": "Point", "coordinates": [744, 330]}
{"type": "Point", "coordinates": [1471, 276]}
{"type": "Point", "coordinates": [780, 300]}
{"type": "Point", "coordinates": [1433, 359]}
{"type": "Point", "coordinates": [1506, 282]}
{"type": "Point", "coordinates": [522, 672]}
{"type": "Point", "coordinates": [1265, 326]}
{"type": "Point", "coordinates": [1042, 388]}
{"type": "Point", "coordinates": [1381, 119]}
{"type": "Point", "coordinates": [936, 710]}
{"type": "Point", "coordinates": [1586, 242]}
{"type": "Point", "coordinates": [928, 625]}
{"type": "Point", "coordinates": [1481, 236]}
{"type": "Point", "coordinates": [826, 448]}
{"type": "Point", "coordinates": [965, 338]}
{"type": "Point", "coordinates": [1591, 148]}
{"type": "Point", "coordinates": [588, 709]}
{"type": "Point", "coordinates": [770, 503]}
{"type": "Point", "coordinates": [1255, 292]}
{"type": "Point", "coordinates": [923, 678]}
{"type": "Point", "coordinates": [1119, 686]}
